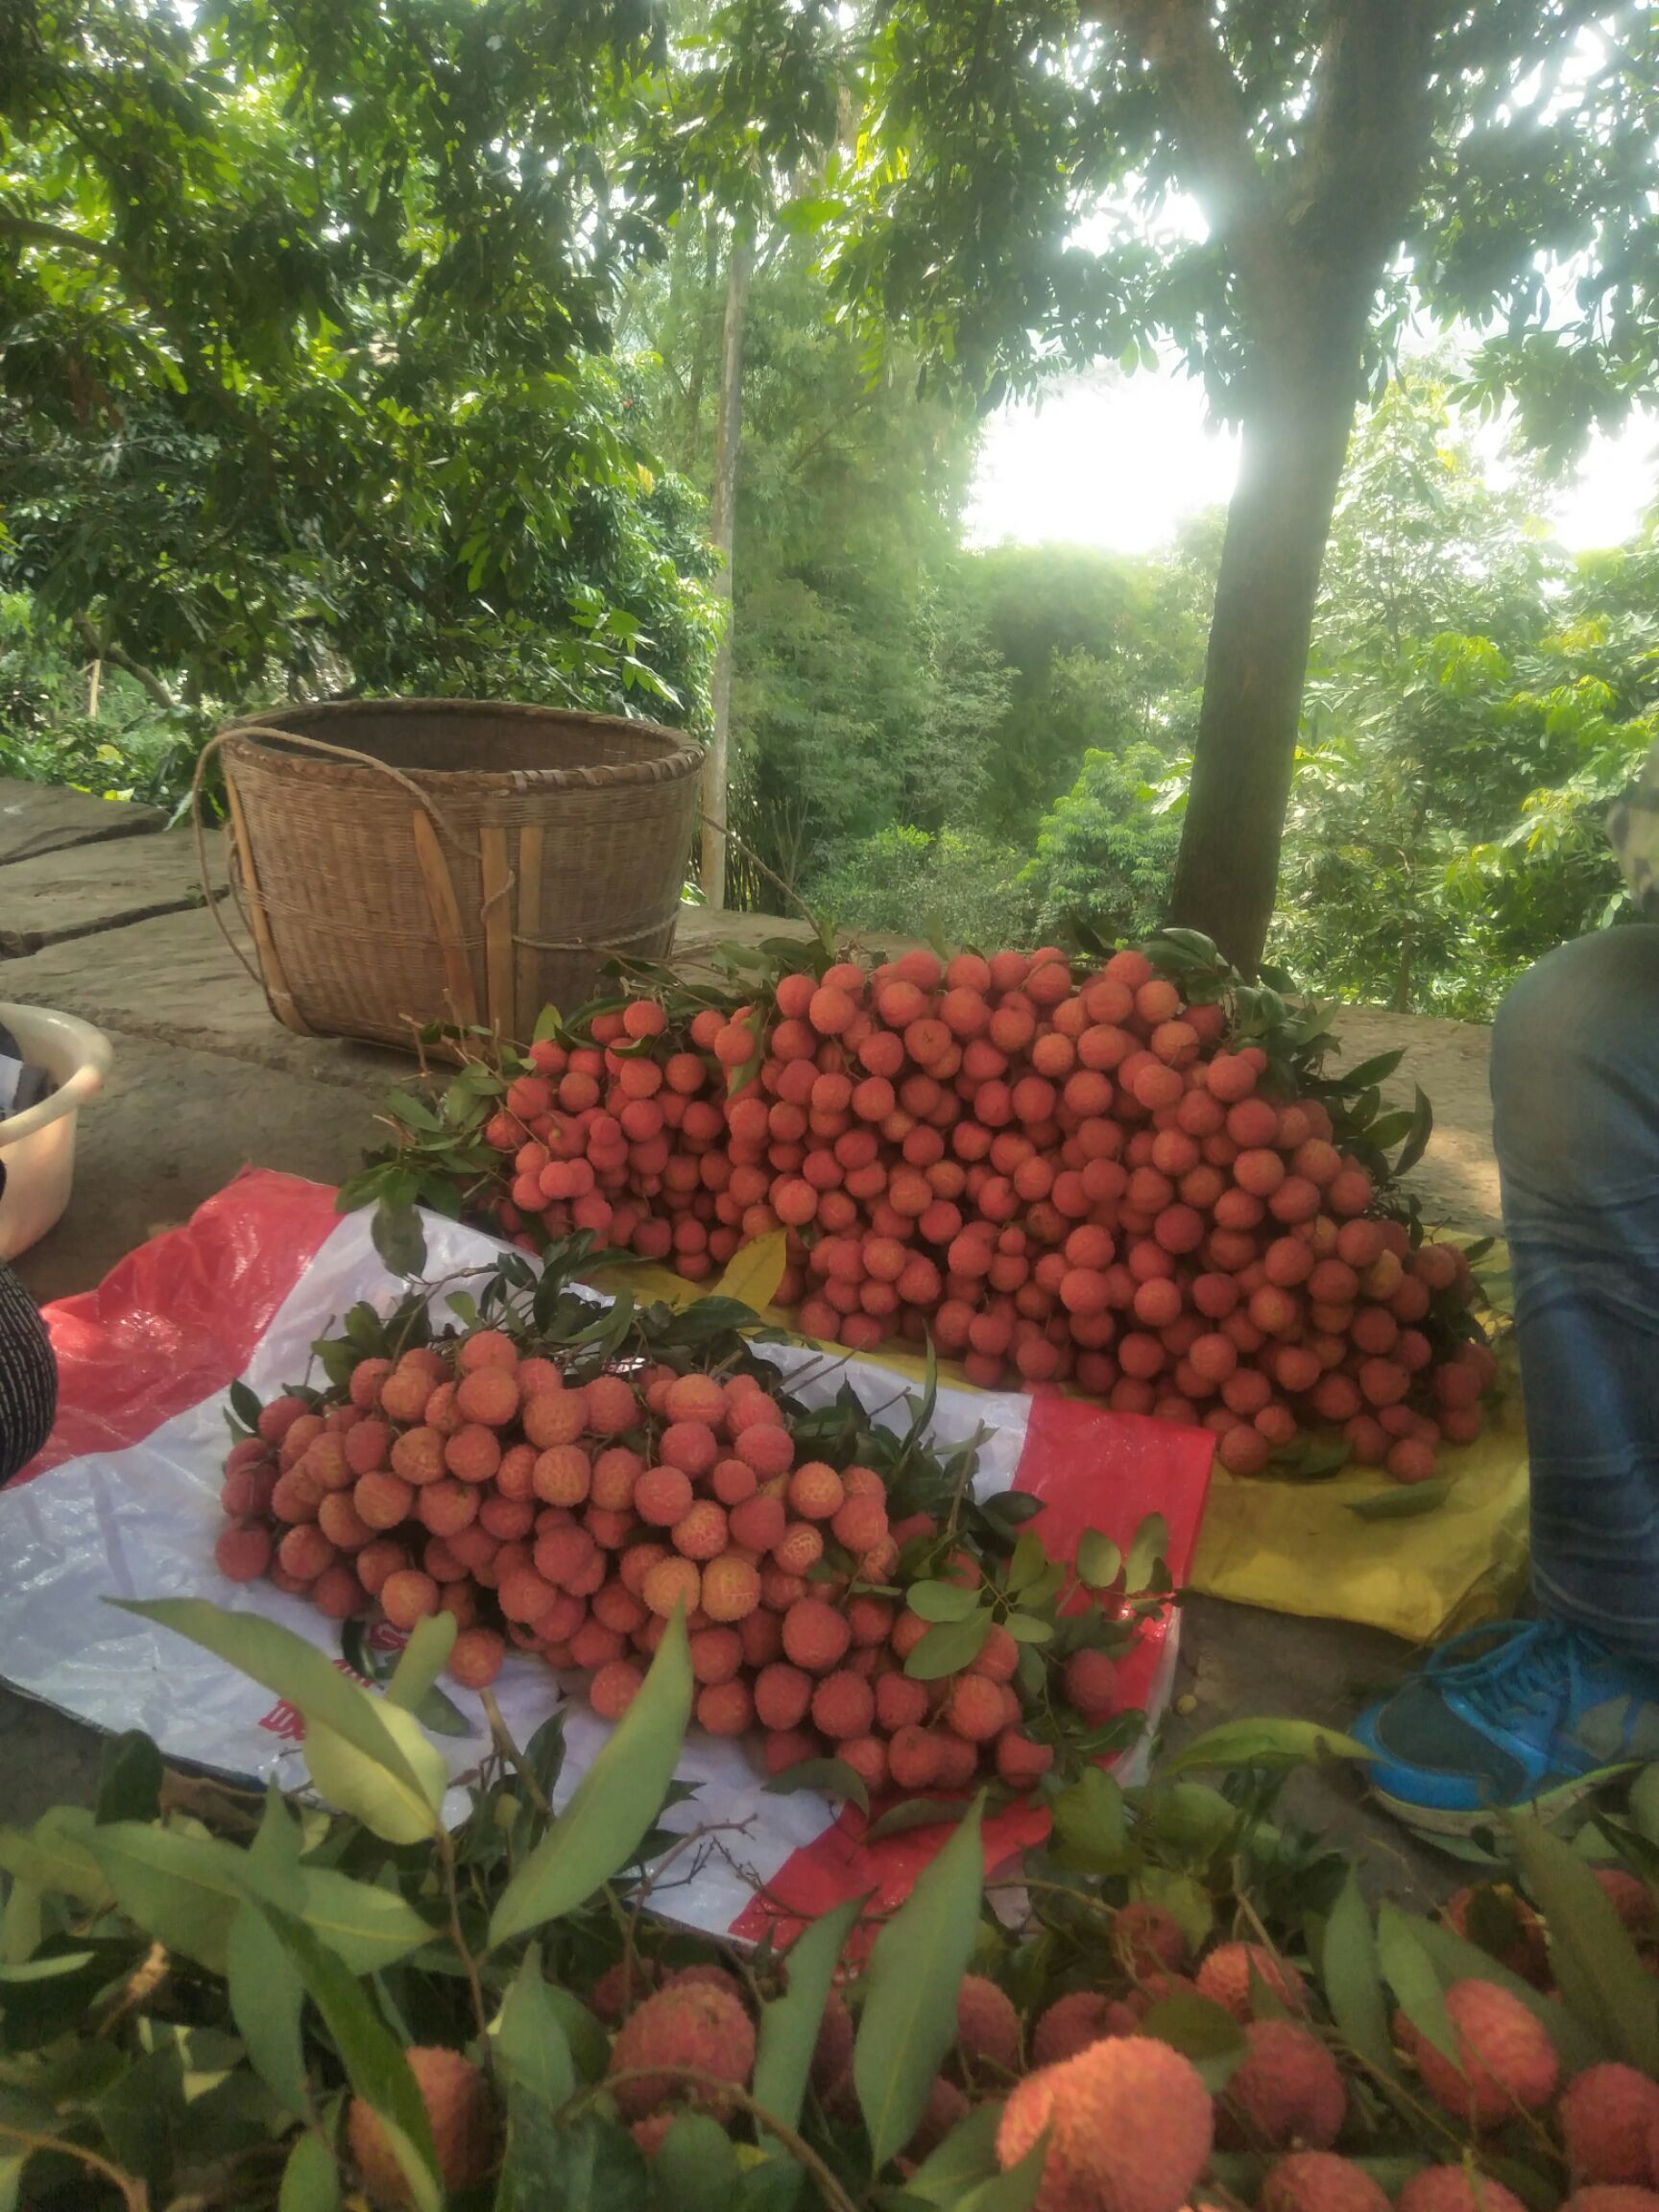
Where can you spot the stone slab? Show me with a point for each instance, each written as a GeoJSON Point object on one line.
{"type": "Point", "coordinates": [85, 889]}
{"type": "Point", "coordinates": [45, 817]}
{"type": "Point", "coordinates": [175, 979]}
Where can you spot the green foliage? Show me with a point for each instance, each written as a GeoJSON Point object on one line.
{"type": "Point", "coordinates": [1104, 650]}
{"type": "Point", "coordinates": [1477, 702]}
{"type": "Point", "coordinates": [304, 383]}
{"type": "Point", "coordinates": [1106, 853]}
{"type": "Point", "coordinates": [956, 883]}
{"type": "Point", "coordinates": [138, 2066]}
{"type": "Point", "coordinates": [864, 692]}
{"type": "Point", "coordinates": [56, 726]}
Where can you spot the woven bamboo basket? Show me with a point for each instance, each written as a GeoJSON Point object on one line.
{"type": "Point", "coordinates": [413, 861]}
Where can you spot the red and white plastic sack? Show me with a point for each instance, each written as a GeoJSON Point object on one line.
{"type": "Point", "coordinates": [124, 1503]}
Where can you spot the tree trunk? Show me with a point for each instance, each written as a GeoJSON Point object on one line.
{"type": "Point", "coordinates": [700, 346]}
{"type": "Point", "coordinates": [1295, 435]}
{"type": "Point", "coordinates": [722, 520]}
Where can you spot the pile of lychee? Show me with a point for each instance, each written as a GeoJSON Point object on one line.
{"type": "Point", "coordinates": [1057, 1177]}
{"type": "Point", "coordinates": [573, 1517]}
{"type": "Point", "coordinates": [1129, 2123]}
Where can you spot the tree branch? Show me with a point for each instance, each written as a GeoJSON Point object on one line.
{"type": "Point", "coordinates": [87, 630]}
{"type": "Point", "coordinates": [35, 233]}
{"type": "Point", "coordinates": [1370, 115]}
{"type": "Point", "coordinates": [1176, 38]}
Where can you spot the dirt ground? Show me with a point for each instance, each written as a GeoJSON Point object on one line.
{"type": "Point", "coordinates": [1458, 1178]}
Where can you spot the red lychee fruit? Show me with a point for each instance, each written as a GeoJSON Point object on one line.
{"type": "Point", "coordinates": [974, 1710]}
{"type": "Point", "coordinates": [782, 1695]}
{"type": "Point", "coordinates": [1148, 1939]}
{"type": "Point", "coordinates": [1090, 1680]}
{"type": "Point", "coordinates": [1507, 2062]}
{"type": "Point", "coordinates": [833, 2053]}
{"type": "Point", "coordinates": [1129, 2128]}
{"type": "Point", "coordinates": [672, 1583]}
{"type": "Point", "coordinates": [1226, 1977]}
{"type": "Point", "coordinates": [465, 2129]}
{"type": "Point", "coordinates": [488, 1395]}
{"type": "Point", "coordinates": [487, 1348]}
{"type": "Point", "coordinates": [614, 1688]}
{"type": "Point", "coordinates": [1455, 2188]}
{"type": "Point", "coordinates": [279, 1416]}
{"type": "Point", "coordinates": [1503, 1925]}
{"type": "Point", "coordinates": [696, 2024]}
{"type": "Point", "coordinates": [913, 1758]}
{"type": "Point", "coordinates": [649, 2133]}
{"type": "Point", "coordinates": [843, 1704]}
{"type": "Point", "coordinates": [815, 1636]}
{"type": "Point", "coordinates": [475, 1657]}
{"type": "Point", "coordinates": [946, 2108]}
{"type": "Point", "coordinates": [1607, 2116]}
{"type": "Point", "coordinates": [1020, 1761]}
{"type": "Point", "coordinates": [987, 2025]}
{"type": "Point", "coordinates": [1612, 2197]}
{"type": "Point", "coordinates": [1319, 2181]}
{"type": "Point", "coordinates": [243, 1552]}
{"type": "Point", "coordinates": [1630, 1898]}
{"type": "Point", "coordinates": [815, 1492]}
{"type": "Point", "coordinates": [696, 1398]}
{"type": "Point", "coordinates": [1070, 2024]}
{"type": "Point", "coordinates": [1287, 2091]}
{"type": "Point", "coordinates": [859, 1524]}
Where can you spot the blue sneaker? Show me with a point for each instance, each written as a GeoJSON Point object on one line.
{"type": "Point", "coordinates": [1519, 1712]}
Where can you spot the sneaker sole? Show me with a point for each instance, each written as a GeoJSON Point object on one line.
{"type": "Point", "coordinates": [1554, 1806]}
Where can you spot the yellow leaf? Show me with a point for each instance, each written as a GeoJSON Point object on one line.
{"type": "Point", "coordinates": [382, 1801]}
{"type": "Point", "coordinates": [755, 1271]}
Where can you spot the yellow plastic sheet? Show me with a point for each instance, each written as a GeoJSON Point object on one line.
{"type": "Point", "coordinates": [1295, 1547]}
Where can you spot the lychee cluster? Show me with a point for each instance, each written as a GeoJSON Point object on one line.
{"type": "Point", "coordinates": [1054, 1177]}
{"type": "Point", "coordinates": [572, 1519]}
{"type": "Point", "coordinates": [1124, 2122]}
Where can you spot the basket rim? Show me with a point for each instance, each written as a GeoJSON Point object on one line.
{"type": "Point", "coordinates": [684, 755]}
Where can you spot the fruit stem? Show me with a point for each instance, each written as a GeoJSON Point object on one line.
{"type": "Point", "coordinates": [502, 1738]}
{"type": "Point", "coordinates": [654, 1875]}
{"type": "Point", "coordinates": [133, 2193]}
{"type": "Point", "coordinates": [447, 1859]}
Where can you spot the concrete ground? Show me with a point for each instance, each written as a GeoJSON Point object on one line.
{"type": "Point", "coordinates": [206, 1082]}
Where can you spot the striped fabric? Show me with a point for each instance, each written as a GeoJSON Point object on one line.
{"type": "Point", "coordinates": [27, 1378]}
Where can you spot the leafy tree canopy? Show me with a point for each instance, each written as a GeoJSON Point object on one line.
{"type": "Point", "coordinates": [306, 303]}
{"type": "Point", "coordinates": [1016, 192]}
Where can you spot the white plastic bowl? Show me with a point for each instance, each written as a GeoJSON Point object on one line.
{"type": "Point", "coordinates": [37, 1147]}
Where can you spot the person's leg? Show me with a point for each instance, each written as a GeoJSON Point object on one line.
{"type": "Point", "coordinates": [1541, 1709]}
{"type": "Point", "coordinates": [1575, 1126]}
{"type": "Point", "coordinates": [27, 1378]}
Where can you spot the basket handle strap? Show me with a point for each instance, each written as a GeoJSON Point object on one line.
{"type": "Point", "coordinates": [249, 921]}
{"type": "Point", "coordinates": [208, 893]}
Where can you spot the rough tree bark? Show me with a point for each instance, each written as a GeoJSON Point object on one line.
{"type": "Point", "coordinates": [1307, 242]}
{"type": "Point", "coordinates": [1295, 435]}
{"type": "Point", "coordinates": [722, 520]}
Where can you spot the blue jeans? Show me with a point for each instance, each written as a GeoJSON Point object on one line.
{"type": "Point", "coordinates": [1576, 1112]}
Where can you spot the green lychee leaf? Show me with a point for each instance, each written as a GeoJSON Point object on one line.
{"type": "Point", "coordinates": [789, 2023]}
{"type": "Point", "coordinates": [909, 2022]}
{"type": "Point", "coordinates": [602, 1828]}
{"type": "Point", "coordinates": [950, 1647]}
{"type": "Point", "coordinates": [1353, 1978]}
